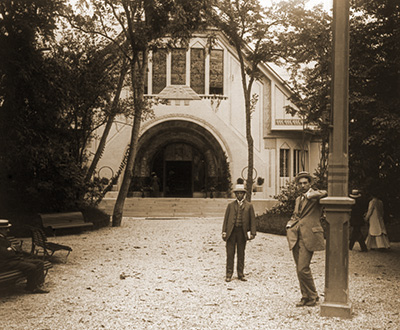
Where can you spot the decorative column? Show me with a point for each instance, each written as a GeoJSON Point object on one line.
{"type": "Point", "coordinates": [338, 204]}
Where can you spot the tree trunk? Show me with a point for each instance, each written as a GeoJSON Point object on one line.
{"type": "Point", "coordinates": [126, 181]}
{"type": "Point", "coordinates": [138, 75]}
{"type": "Point", "coordinates": [250, 152]}
{"type": "Point", "coordinates": [110, 121]}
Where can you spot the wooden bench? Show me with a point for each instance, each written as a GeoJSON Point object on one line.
{"type": "Point", "coordinates": [40, 244]}
{"type": "Point", "coordinates": [12, 276]}
{"type": "Point", "coordinates": [64, 220]}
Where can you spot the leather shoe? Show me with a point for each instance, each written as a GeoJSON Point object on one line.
{"type": "Point", "coordinates": [39, 290]}
{"type": "Point", "coordinates": [243, 279]}
{"type": "Point", "coordinates": [311, 302]}
{"type": "Point", "coordinates": [228, 279]}
{"type": "Point", "coordinates": [302, 302]}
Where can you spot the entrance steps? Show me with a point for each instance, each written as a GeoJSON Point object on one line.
{"type": "Point", "coordinates": [177, 207]}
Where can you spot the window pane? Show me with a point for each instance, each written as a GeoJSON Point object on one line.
{"type": "Point", "coordinates": [300, 161]}
{"type": "Point", "coordinates": [217, 72]}
{"type": "Point", "coordinates": [140, 55]}
{"type": "Point", "coordinates": [296, 161]}
{"type": "Point", "coordinates": [284, 163]}
{"type": "Point", "coordinates": [159, 70]}
{"type": "Point", "coordinates": [197, 70]}
{"type": "Point", "coordinates": [178, 67]}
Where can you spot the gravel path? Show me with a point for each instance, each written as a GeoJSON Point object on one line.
{"type": "Point", "coordinates": [169, 274]}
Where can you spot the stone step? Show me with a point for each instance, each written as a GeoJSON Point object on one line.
{"type": "Point", "coordinates": [177, 207]}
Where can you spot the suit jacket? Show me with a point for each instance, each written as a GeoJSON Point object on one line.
{"type": "Point", "coordinates": [6, 254]}
{"type": "Point", "coordinates": [306, 220]}
{"type": "Point", "coordinates": [248, 218]}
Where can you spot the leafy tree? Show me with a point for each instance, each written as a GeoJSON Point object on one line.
{"type": "Point", "coordinates": [93, 75]}
{"type": "Point", "coordinates": [248, 27]}
{"type": "Point", "coordinates": [375, 99]}
{"type": "Point", "coordinates": [136, 27]}
{"type": "Point", "coordinates": [36, 167]}
{"type": "Point", "coordinates": [53, 92]}
{"type": "Point", "coordinates": [374, 85]}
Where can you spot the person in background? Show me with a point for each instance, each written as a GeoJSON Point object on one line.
{"type": "Point", "coordinates": [357, 221]}
{"type": "Point", "coordinates": [306, 235]}
{"type": "Point", "coordinates": [33, 269]}
{"type": "Point", "coordinates": [377, 236]}
{"type": "Point", "coordinates": [239, 226]}
{"type": "Point", "coordinates": [155, 185]}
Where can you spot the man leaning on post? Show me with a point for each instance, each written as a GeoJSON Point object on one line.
{"type": "Point", "coordinates": [306, 235]}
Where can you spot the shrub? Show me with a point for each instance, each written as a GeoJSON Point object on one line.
{"type": "Point", "coordinates": [98, 217]}
{"type": "Point", "coordinates": [272, 223]}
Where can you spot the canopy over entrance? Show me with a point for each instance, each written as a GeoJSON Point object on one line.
{"type": "Point", "coordinates": [186, 157]}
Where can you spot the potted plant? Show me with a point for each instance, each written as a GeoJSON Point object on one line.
{"type": "Point", "coordinates": [259, 184]}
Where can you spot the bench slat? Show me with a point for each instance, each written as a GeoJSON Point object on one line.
{"type": "Point", "coordinates": [13, 275]}
{"type": "Point", "coordinates": [64, 220]}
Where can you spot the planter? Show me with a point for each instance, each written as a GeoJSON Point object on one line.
{"type": "Point", "coordinates": [199, 195]}
{"type": "Point", "coordinates": [272, 223]}
{"type": "Point", "coordinates": [136, 194]}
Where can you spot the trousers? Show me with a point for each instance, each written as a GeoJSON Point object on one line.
{"type": "Point", "coordinates": [357, 236]}
{"type": "Point", "coordinates": [33, 270]}
{"type": "Point", "coordinates": [236, 241]}
{"type": "Point", "coordinates": [302, 258]}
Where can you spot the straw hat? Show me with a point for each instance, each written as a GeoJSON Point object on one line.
{"type": "Point", "coordinates": [4, 223]}
{"type": "Point", "coordinates": [240, 187]}
{"type": "Point", "coordinates": [304, 174]}
{"type": "Point", "coordinates": [355, 193]}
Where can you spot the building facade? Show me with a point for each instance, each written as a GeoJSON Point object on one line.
{"type": "Point", "coordinates": [196, 141]}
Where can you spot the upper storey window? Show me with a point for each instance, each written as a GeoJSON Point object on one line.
{"type": "Point", "coordinates": [178, 67]}
{"type": "Point", "coordinates": [197, 70]}
{"type": "Point", "coordinates": [216, 71]}
{"type": "Point", "coordinates": [201, 70]}
{"type": "Point", "coordinates": [159, 70]}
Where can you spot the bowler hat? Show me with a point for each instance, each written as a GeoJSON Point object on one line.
{"type": "Point", "coordinates": [240, 187]}
{"type": "Point", "coordinates": [355, 193]}
{"type": "Point", "coordinates": [304, 174]}
{"type": "Point", "coordinates": [4, 223]}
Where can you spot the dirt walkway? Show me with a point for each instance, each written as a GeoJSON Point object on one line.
{"type": "Point", "coordinates": [169, 274]}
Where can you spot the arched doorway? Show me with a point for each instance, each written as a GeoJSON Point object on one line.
{"type": "Point", "coordinates": [186, 157]}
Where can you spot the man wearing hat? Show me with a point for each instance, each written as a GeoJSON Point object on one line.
{"type": "Point", "coordinates": [306, 235]}
{"type": "Point", "coordinates": [238, 227]}
{"type": "Point", "coordinates": [10, 260]}
{"type": "Point", "coordinates": [357, 220]}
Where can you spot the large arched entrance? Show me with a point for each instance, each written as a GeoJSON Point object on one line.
{"type": "Point", "coordinates": [186, 157]}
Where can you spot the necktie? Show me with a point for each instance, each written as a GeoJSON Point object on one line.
{"type": "Point", "coordinates": [302, 199]}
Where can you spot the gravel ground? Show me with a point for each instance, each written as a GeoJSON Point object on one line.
{"type": "Point", "coordinates": [169, 274]}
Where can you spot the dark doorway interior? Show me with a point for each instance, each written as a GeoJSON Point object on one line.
{"type": "Point", "coordinates": [178, 178]}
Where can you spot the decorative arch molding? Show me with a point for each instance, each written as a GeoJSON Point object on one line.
{"type": "Point", "coordinates": [201, 122]}
{"type": "Point", "coordinates": [176, 145]}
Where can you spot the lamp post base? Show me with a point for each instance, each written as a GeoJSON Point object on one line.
{"type": "Point", "coordinates": [336, 310]}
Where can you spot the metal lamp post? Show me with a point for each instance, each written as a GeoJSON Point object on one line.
{"type": "Point", "coordinates": [338, 204]}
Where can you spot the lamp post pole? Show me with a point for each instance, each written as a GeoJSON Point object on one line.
{"type": "Point", "coordinates": [338, 204]}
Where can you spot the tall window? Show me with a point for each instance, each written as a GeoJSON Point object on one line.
{"type": "Point", "coordinates": [178, 66]}
{"type": "Point", "coordinates": [197, 70]}
{"type": "Point", "coordinates": [159, 70]}
{"type": "Point", "coordinates": [300, 161]}
{"type": "Point", "coordinates": [284, 163]}
{"type": "Point", "coordinates": [217, 72]}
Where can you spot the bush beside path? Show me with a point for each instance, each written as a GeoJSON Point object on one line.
{"type": "Point", "coordinates": [169, 274]}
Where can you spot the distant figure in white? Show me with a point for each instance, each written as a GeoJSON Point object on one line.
{"type": "Point", "coordinates": [377, 235]}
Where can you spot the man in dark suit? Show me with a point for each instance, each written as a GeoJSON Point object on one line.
{"type": "Point", "coordinates": [357, 220]}
{"type": "Point", "coordinates": [238, 227]}
{"type": "Point", "coordinates": [306, 235]}
{"type": "Point", "coordinates": [33, 269]}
